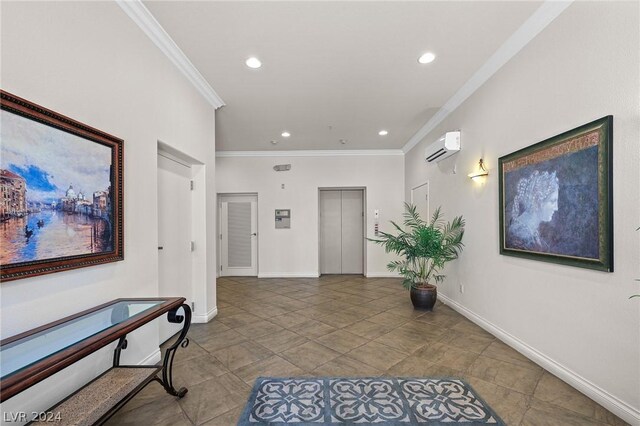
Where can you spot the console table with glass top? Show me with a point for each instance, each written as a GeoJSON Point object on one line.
{"type": "Point", "coordinates": [32, 356]}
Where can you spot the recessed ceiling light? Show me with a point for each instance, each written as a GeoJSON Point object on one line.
{"type": "Point", "coordinates": [286, 134]}
{"type": "Point", "coordinates": [253, 62]}
{"type": "Point", "coordinates": [426, 58]}
{"type": "Point", "coordinates": [274, 142]}
{"type": "Point", "coordinates": [383, 133]}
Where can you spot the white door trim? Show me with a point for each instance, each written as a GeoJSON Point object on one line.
{"type": "Point", "coordinates": [428, 196]}
{"type": "Point", "coordinates": [201, 287]}
{"type": "Point", "coordinates": [225, 198]}
{"type": "Point", "coordinates": [416, 187]}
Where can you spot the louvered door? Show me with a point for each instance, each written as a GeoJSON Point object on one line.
{"type": "Point", "coordinates": [239, 236]}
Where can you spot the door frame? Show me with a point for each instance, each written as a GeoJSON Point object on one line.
{"type": "Point", "coordinates": [202, 310]}
{"type": "Point", "coordinates": [219, 197]}
{"type": "Point", "coordinates": [428, 196]}
{"type": "Point", "coordinates": [364, 221]}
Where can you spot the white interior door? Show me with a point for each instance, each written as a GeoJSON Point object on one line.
{"type": "Point", "coordinates": [341, 232]}
{"type": "Point", "coordinates": [174, 235]}
{"type": "Point", "coordinates": [352, 232]}
{"type": "Point", "coordinates": [239, 235]}
{"type": "Point", "coordinates": [420, 198]}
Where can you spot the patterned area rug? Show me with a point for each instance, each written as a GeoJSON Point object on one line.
{"type": "Point", "coordinates": [363, 401]}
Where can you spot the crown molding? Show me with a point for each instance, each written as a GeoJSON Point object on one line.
{"type": "Point", "coordinates": [152, 28]}
{"type": "Point", "coordinates": [538, 21]}
{"type": "Point", "coordinates": [311, 153]}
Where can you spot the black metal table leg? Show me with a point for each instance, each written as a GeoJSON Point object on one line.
{"type": "Point", "coordinates": [182, 341]}
{"type": "Point", "coordinates": [122, 344]}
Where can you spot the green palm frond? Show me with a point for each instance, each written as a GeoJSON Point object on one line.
{"type": "Point", "coordinates": [436, 218]}
{"type": "Point", "coordinates": [412, 217]}
{"type": "Point", "coordinates": [438, 278]}
{"type": "Point", "coordinates": [425, 247]}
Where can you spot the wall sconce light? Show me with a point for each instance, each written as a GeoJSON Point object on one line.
{"type": "Point", "coordinates": [480, 172]}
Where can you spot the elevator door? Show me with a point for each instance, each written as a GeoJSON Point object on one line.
{"type": "Point", "coordinates": [342, 231]}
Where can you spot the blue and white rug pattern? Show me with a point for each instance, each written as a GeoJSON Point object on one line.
{"type": "Point", "coordinates": [364, 401]}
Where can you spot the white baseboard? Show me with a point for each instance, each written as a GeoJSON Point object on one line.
{"type": "Point", "coordinates": [316, 275]}
{"type": "Point", "coordinates": [201, 319]}
{"type": "Point", "coordinates": [610, 402]}
{"type": "Point", "coordinates": [382, 275]}
{"type": "Point", "coordinates": [153, 359]}
{"type": "Point", "coordinates": [289, 275]}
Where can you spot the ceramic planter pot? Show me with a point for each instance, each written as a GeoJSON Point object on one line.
{"type": "Point", "coordinates": [424, 297]}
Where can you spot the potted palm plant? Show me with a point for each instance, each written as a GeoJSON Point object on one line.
{"type": "Point", "coordinates": [425, 247]}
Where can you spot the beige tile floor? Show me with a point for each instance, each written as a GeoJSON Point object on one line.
{"type": "Point", "coordinates": [347, 326]}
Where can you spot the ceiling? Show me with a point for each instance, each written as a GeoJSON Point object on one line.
{"type": "Point", "coordinates": [334, 70]}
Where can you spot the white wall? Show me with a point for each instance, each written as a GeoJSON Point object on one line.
{"type": "Point", "coordinates": [585, 65]}
{"type": "Point", "coordinates": [294, 252]}
{"type": "Point", "coordinates": [89, 61]}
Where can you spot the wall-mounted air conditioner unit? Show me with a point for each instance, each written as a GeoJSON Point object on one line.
{"type": "Point", "coordinates": [447, 145]}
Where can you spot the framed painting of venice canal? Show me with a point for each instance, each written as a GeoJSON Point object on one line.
{"type": "Point", "coordinates": [556, 198]}
{"type": "Point", "coordinates": [60, 192]}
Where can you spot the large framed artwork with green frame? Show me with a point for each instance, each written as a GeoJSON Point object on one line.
{"type": "Point", "coordinates": [556, 198]}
